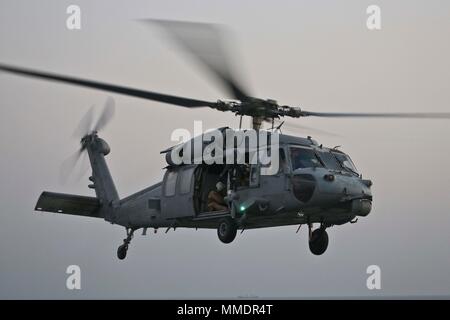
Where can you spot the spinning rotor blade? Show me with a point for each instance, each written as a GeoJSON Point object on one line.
{"type": "Point", "coordinates": [295, 127]}
{"type": "Point", "coordinates": [68, 165]}
{"type": "Point", "coordinates": [84, 128]}
{"type": "Point", "coordinates": [84, 166]}
{"type": "Point", "coordinates": [85, 124]}
{"type": "Point", "coordinates": [148, 95]}
{"type": "Point", "coordinates": [401, 115]}
{"type": "Point", "coordinates": [106, 115]}
{"type": "Point", "coordinates": [206, 43]}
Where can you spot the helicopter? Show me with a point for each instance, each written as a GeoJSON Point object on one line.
{"type": "Point", "coordinates": [313, 184]}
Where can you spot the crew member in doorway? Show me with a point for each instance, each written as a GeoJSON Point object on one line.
{"type": "Point", "coordinates": [216, 197]}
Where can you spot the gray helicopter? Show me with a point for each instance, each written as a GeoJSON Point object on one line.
{"type": "Point", "coordinates": [313, 184]}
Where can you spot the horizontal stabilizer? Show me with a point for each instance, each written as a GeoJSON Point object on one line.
{"type": "Point", "coordinates": [68, 204]}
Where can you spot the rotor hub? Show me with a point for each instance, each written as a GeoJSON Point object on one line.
{"type": "Point", "coordinates": [259, 109]}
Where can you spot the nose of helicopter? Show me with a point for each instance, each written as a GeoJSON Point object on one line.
{"type": "Point", "coordinates": [324, 187]}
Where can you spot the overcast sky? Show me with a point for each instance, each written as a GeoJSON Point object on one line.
{"type": "Point", "coordinates": [315, 54]}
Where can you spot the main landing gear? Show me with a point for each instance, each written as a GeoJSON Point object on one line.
{"type": "Point", "coordinates": [122, 250]}
{"type": "Point", "coordinates": [318, 240]}
{"type": "Point", "coordinates": [227, 229]}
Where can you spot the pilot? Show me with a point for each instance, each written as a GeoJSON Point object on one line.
{"type": "Point", "coordinates": [296, 158]}
{"type": "Point", "coordinates": [216, 200]}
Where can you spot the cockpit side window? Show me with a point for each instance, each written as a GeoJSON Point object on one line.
{"type": "Point", "coordinates": [304, 158]}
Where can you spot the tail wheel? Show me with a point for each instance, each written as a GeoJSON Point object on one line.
{"type": "Point", "coordinates": [226, 230]}
{"type": "Point", "coordinates": [318, 243]}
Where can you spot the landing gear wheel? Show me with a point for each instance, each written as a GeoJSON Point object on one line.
{"type": "Point", "coordinates": [318, 243]}
{"type": "Point", "coordinates": [122, 251]}
{"type": "Point", "coordinates": [226, 230]}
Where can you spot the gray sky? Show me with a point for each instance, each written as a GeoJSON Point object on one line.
{"type": "Point", "coordinates": [314, 54]}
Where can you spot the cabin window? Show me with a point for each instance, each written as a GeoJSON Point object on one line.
{"type": "Point", "coordinates": [185, 180]}
{"type": "Point", "coordinates": [304, 158]}
{"type": "Point", "coordinates": [170, 184]}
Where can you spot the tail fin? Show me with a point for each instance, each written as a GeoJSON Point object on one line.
{"type": "Point", "coordinates": [102, 181]}
{"type": "Point", "coordinates": [107, 198]}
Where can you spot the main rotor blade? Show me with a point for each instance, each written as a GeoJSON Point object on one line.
{"type": "Point", "coordinates": [296, 127]}
{"type": "Point", "coordinates": [401, 115]}
{"type": "Point", "coordinates": [205, 42]}
{"type": "Point", "coordinates": [148, 95]}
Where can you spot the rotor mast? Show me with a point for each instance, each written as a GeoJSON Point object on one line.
{"type": "Point", "coordinates": [257, 122]}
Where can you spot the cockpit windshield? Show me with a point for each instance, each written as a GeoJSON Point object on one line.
{"type": "Point", "coordinates": [310, 158]}
{"type": "Point", "coordinates": [330, 161]}
{"type": "Point", "coordinates": [345, 162]}
{"type": "Point", "coordinates": [304, 158]}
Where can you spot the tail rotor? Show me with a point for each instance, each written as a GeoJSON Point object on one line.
{"type": "Point", "coordinates": [85, 130]}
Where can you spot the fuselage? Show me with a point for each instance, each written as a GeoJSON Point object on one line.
{"type": "Point", "coordinates": [312, 184]}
